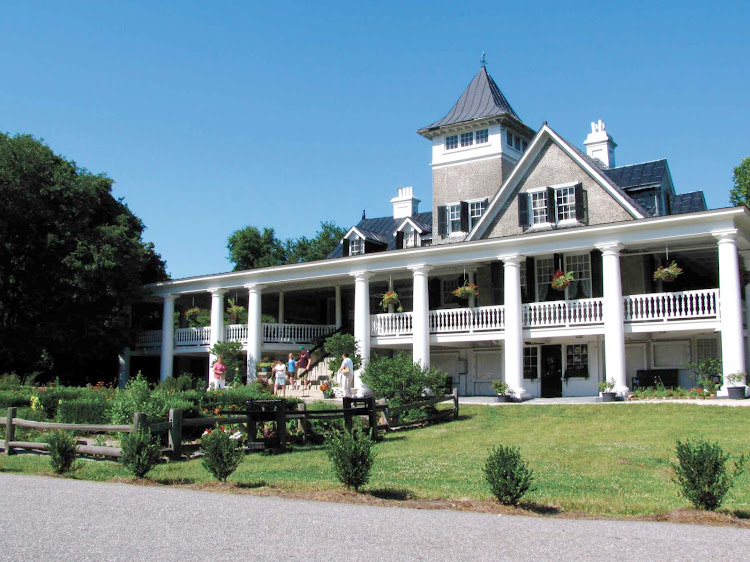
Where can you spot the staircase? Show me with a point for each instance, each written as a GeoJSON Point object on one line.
{"type": "Point", "coordinates": [316, 375]}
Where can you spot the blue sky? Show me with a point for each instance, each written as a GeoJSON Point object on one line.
{"type": "Point", "coordinates": [211, 116]}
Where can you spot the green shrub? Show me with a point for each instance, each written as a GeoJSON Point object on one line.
{"type": "Point", "coordinates": [62, 451]}
{"type": "Point", "coordinates": [18, 398]}
{"type": "Point", "coordinates": [507, 474]}
{"type": "Point", "coordinates": [401, 381]}
{"type": "Point", "coordinates": [140, 452]}
{"type": "Point", "coordinates": [338, 344]}
{"type": "Point", "coordinates": [236, 396]}
{"type": "Point", "coordinates": [222, 452]}
{"type": "Point", "coordinates": [137, 396]}
{"type": "Point", "coordinates": [702, 474]}
{"type": "Point", "coordinates": [83, 410]}
{"type": "Point", "coordinates": [49, 398]}
{"type": "Point", "coordinates": [351, 457]}
{"type": "Point", "coordinates": [234, 360]}
{"type": "Point", "coordinates": [182, 383]}
{"type": "Point", "coordinates": [9, 381]}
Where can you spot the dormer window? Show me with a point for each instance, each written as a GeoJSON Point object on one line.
{"type": "Point", "coordinates": [454, 218]}
{"type": "Point", "coordinates": [476, 210]}
{"type": "Point", "coordinates": [356, 247]}
{"type": "Point", "coordinates": [411, 240]}
{"type": "Point", "coordinates": [552, 205]}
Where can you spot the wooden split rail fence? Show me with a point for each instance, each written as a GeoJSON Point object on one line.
{"type": "Point", "coordinates": [378, 414]}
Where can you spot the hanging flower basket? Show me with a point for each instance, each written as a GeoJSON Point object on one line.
{"type": "Point", "coordinates": [466, 291]}
{"type": "Point", "coordinates": [191, 314]}
{"type": "Point", "coordinates": [669, 273]}
{"type": "Point", "coordinates": [561, 280]}
{"type": "Point", "coordinates": [389, 299]}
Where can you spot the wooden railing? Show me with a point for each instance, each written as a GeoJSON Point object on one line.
{"type": "Point", "coordinates": [563, 313]}
{"type": "Point", "coordinates": [672, 306]}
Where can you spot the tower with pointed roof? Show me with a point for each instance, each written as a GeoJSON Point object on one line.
{"type": "Point", "coordinates": [474, 148]}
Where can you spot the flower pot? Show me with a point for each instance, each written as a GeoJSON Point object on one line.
{"type": "Point", "coordinates": [561, 286]}
{"type": "Point", "coordinates": [608, 396]}
{"type": "Point", "coordinates": [736, 392]}
{"type": "Point", "coordinates": [667, 277]}
{"type": "Point", "coordinates": [503, 398]}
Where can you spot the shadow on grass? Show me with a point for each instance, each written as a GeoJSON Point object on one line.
{"type": "Point", "coordinates": [540, 509]}
{"type": "Point", "coordinates": [175, 481]}
{"type": "Point", "coordinates": [392, 494]}
{"type": "Point", "coordinates": [740, 514]}
{"type": "Point", "coordinates": [252, 485]}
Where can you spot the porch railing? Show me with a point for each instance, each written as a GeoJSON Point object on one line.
{"type": "Point", "coordinates": [295, 333]}
{"type": "Point", "coordinates": [395, 324]}
{"type": "Point", "coordinates": [562, 313]}
{"type": "Point", "coordinates": [481, 318]}
{"type": "Point", "coordinates": [187, 337]}
{"type": "Point", "coordinates": [672, 306]}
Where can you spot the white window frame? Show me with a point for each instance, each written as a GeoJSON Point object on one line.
{"type": "Point", "coordinates": [576, 266]}
{"type": "Point", "coordinates": [527, 359]}
{"type": "Point", "coordinates": [474, 206]}
{"type": "Point", "coordinates": [356, 246]}
{"type": "Point", "coordinates": [565, 204]}
{"type": "Point", "coordinates": [411, 239]}
{"type": "Point", "coordinates": [447, 142]}
{"type": "Point", "coordinates": [466, 140]}
{"type": "Point", "coordinates": [486, 135]}
{"type": "Point", "coordinates": [539, 214]}
{"type": "Point", "coordinates": [450, 210]}
{"type": "Point", "coordinates": [568, 208]}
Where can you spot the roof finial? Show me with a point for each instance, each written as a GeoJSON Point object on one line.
{"type": "Point", "coordinates": [483, 61]}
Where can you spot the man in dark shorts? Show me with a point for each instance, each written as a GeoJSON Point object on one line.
{"type": "Point", "coordinates": [303, 363]}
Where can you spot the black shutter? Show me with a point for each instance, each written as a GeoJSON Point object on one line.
{"type": "Point", "coordinates": [530, 280]}
{"type": "Point", "coordinates": [372, 247]}
{"type": "Point", "coordinates": [497, 277]}
{"type": "Point", "coordinates": [597, 288]}
{"type": "Point", "coordinates": [580, 203]}
{"type": "Point", "coordinates": [551, 213]}
{"type": "Point", "coordinates": [464, 216]}
{"type": "Point", "coordinates": [399, 240]}
{"type": "Point", "coordinates": [345, 244]}
{"type": "Point", "coordinates": [524, 219]}
{"type": "Point", "coordinates": [442, 221]}
{"type": "Point", "coordinates": [433, 292]}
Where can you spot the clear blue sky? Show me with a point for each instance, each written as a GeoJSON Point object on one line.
{"type": "Point", "coordinates": [214, 115]}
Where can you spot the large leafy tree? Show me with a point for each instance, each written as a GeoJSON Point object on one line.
{"type": "Point", "coordinates": [740, 192]}
{"type": "Point", "coordinates": [72, 264]}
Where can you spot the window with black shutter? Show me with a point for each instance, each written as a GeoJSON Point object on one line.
{"type": "Point", "coordinates": [399, 240]}
{"type": "Point", "coordinates": [597, 288]}
{"type": "Point", "coordinates": [464, 216]}
{"type": "Point", "coordinates": [345, 247]}
{"type": "Point", "coordinates": [551, 212]}
{"type": "Point", "coordinates": [580, 203]}
{"type": "Point", "coordinates": [442, 221]}
{"type": "Point", "coordinates": [524, 219]}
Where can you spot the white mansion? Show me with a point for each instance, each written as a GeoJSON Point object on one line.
{"type": "Point", "coordinates": [511, 207]}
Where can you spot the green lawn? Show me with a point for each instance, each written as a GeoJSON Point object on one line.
{"type": "Point", "coordinates": [594, 459]}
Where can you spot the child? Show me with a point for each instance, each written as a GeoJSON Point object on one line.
{"type": "Point", "coordinates": [279, 371]}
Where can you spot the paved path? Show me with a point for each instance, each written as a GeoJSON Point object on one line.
{"type": "Point", "coordinates": [63, 519]}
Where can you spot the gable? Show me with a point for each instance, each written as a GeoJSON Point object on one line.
{"type": "Point", "coordinates": [552, 166]}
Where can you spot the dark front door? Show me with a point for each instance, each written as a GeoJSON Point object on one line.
{"type": "Point", "coordinates": [551, 371]}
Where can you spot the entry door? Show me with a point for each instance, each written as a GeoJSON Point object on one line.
{"type": "Point", "coordinates": [635, 360]}
{"type": "Point", "coordinates": [551, 369]}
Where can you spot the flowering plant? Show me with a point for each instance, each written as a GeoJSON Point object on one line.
{"type": "Point", "coordinates": [668, 273]}
{"type": "Point", "coordinates": [561, 280]}
{"type": "Point", "coordinates": [389, 298]}
{"type": "Point", "coordinates": [192, 313]}
{"type": "Point", "coordinates": [324, 387]}
{"type": "Point", "coordinates": [466, 290]}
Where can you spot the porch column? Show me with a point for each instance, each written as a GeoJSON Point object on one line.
{"type": "Point", "coordinates": [472, 299]}
{"type": "Point", "coordinates": [362, 324]}
{"type": "Point", "coordinates": [217, 324]}
{"type": "Point", "coordinates": [730, 305]}
{"type": "Point", "coordinates": [513, 355]}
{"type": "Point", "coordinates": [421, 316]}
{"type": "Point", "coordinates": [254, 330]}
{"type": "Point", "coordinates": [338, 307]}
{"type": "Point", "coordinates": [614, 328]}
{"type": "Point", "coordinates": [167, 337]}
{"type": "Point", "coordinates": [280, 319]}
{"type": "Point", "coordinates": [747, 317]}
{"type": "Point", "coordinates": [123, 371]}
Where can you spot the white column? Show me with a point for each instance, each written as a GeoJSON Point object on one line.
{"type": "Point", "coordinates": [167, 337]}
{"type": "Point", "coordinates": [421, 316]}
{"type": "Point", "coordinates": [472, 298]}
{"type": "Point", "coordinates": [730, 303]}
{"type": "Point", "coordinates": [338, 306]}
{"type": "Point", "coordinates": [254, 330]}
{"type": "Point", "coordinates": [614, 327]}
{"type": "Point", "coordinates": [123, 371]}
{"type": "Point", "coordinates": [361, 324]}
{"type": "Point", "coordinates": [280, 320]}
{"type": "Point", "coordinates": [747, 325]}
{"type": "Point", "coordinates": [513, 324]}
{"type": "Point", "coordinates": [217, 325]}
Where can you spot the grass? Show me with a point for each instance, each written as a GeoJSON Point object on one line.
{"type": "Point", "coordinates": [611, 460]}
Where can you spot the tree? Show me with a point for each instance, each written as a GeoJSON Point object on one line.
{"type": "Point", "coordinates": [251, 249]}
{"type": "Point", "coordinates": [740, 193]}
{"type": "Point", "coordinates": [325, 241]}
{"type": "Point", "coordinates": [72, 264]}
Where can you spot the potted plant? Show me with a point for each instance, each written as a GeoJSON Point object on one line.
{"type": "Point", "coordinates": [467, 290]}
{"type": "Point", "coordinates": [191, 314]}
{"type": "Point", "coordinates": [561, 280]}
{"type": "Point", "coordinates": [390, 298]}
{"type": "Point", "coordinates": [504, 392]}
{"type": "Point", "coordinates": [326, 389]}
{"type": "Point", "coordinates": [667, 273]}
{"type": "Point", "coordinates": [606, 389]}
{"type": "Point", "coordinates": [735, 386]}
{"type": "Point", "coordinates": [235, 312]}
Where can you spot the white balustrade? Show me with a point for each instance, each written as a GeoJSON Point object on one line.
{"type": "Point", "coordinates": [295, 333]}
{"type": "Point", "coordinates": [187, 337]}
{"type": "Point", "coordinates": [476, 319]}
{"type": "Point", "coordinates": [396, 324]}
{"type": "Point", "coordinates": [151, 338]}
{"type": "Point", "coordinates": [563, 313]}
{"type": "Point", "coordinates": [235, 332]}
{"type": "Point", "coordinates": [672, 306]}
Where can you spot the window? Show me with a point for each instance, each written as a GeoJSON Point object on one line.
{"type": "Point", "coordinates": [517, 143]}
{"type": "Point", "coordinates": [451, 142]}
{"type": "Point", "coordinates": [539, 207]}
{"type": "Point", "coordinates": [356, 247]}
{"type": "Point", "coordinates": [545, 269]}
{"type": "Point", "coordinates": [508, 138]}
{"type": "Point", "coordinates": [707, 348]}
{"type": "Point", "coordinates": [467, 139]}
{"type": "Point", "coordinates": [411, 239]}
{"type": "Point", "coordinates": [530, 362]}
{"type": "Point", "coordinates": [577, 361]}
{"type": "Point", "coordinates": [446, 293]}
{"type": "Point", "coordinates": [482, 136]}
{"type": "Point", "coordinates": [566, 203]}
{"type": "Point", "coordinates": [580, 288]}
{"type": "Point", "coordinates": [476, 209]}
{"type": "Point", "coordinates": [524, 146]}
{"type": "Point", "coordinates": [454, 218]}
{"type": "Point", "coordinates": [514, 141]}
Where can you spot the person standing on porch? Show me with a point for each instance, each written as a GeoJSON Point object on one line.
{"type": "Point", "coordinates": [346, 372]}
{"type": "Point", "coordinates": [279, 381]}
{"type": "Point", "coordinates": [219, 379]}
{"type": "Point", "coordinates": [290, 368]}
{"type": "Point", "coordinates": [303, 363]}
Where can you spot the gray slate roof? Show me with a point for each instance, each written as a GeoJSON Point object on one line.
{"type": "Point", "coordinates": [381, 229]}
{"type": "Point", "coordinates": [688, 202]}
{"type": "Point", "coordinates": [482, 98]}
{"type": "Point", "coordinates": [645, 174]}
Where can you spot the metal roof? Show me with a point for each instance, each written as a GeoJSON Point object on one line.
{"type": "Point", "coordinates": [382, 228]}
{"type": "Point", "coordinates": [482, 98]}
{"type": "Point", "coordinates": [638, 175]}
{"type": "Point", "coordinates": [688, 202]}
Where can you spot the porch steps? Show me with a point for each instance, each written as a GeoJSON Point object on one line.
{"type": "Point", "coordinates": [312, 393]}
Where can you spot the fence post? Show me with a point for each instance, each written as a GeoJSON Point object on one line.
{"type": "Point", "coordinates": [252, 428]}
{"type": "Point", "coordinates": [372, 418]}
{"type": "Point", "coordinates": [455, 403]}
{"type": "Point", "coordinates": [281, 425]}
{"type": "Point", "coordinates": [175, 433]}
{"type": "Point", "coordinates": [140, 421]}
{"type": "Point", "coordinates": [347, 405]}
{"type": "Point", "coordinates": [10, 430]}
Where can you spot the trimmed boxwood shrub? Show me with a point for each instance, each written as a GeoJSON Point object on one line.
{"type": "Point", "coordinates": [83, 410]}
{"type": "Point", "coordinates": [507, 474]}
{"type": "Point", "coordinates": [140, 452]}
{"type": "Point", "coordinates": [401, 381]}
{"type": "Point", "coordinates": [62, 451]}
{"type": "Point", "coordinates": [222, 452]}
{"type": "Point", "coordinates": [15, 398]}
{"type": "Point", "coordinates": [351, 457]}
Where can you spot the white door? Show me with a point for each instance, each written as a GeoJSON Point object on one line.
{"type": "Point", "coordinates": [489, 367]}
{"type": "Point", "coordinates": [635, 360]}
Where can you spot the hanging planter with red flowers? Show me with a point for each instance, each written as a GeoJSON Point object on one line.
{"type": "Point", "coordinates": [561, 280]}
{"type": "Point", "coordinates": [466, 291]}
{"type": "Point", "coordinates": [669, 273]}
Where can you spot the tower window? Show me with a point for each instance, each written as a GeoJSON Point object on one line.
{"type": "Point", "coordinates": [454, 218]}
{"type": "Point", "coordinates": [476, 209]}
{"type": "Point", "coordinates": [451, 142]}
{"type": "Point", "coordinates": [467, 139]}
{"type": "Point", "coordinates": [482, 136]}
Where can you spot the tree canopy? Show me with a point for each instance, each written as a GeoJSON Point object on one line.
{"type": "Point", "coordinates": [72, 264]}
{"type": "Point", "coordinates": [249, 248]}
{"type": "Point", "coordinates": [740, 193]}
